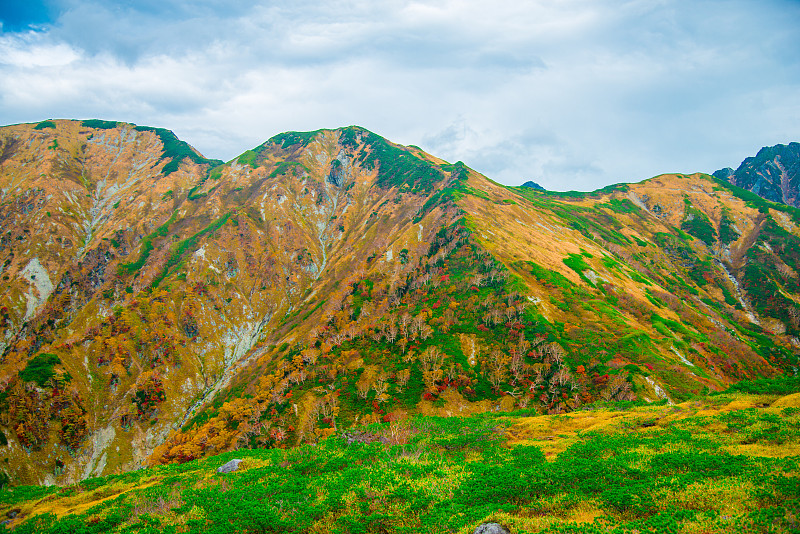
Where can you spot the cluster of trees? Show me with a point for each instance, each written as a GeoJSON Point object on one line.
{"type": "Point", "coordinates": [32, 408]}
{"type": "Point", "coordinates": [149, 393]}
{"type": "Point", "coordinates": [386, 343]}
{"type": "Point", "coordinates": [137, 338]}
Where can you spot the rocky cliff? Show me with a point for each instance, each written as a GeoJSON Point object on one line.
{"type": "Point", "coordinates": [774, 174]}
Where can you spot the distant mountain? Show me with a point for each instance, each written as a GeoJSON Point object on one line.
{"type": "Point", "coordinates": [157, 306]}
{"type": "Point", "coordinates": [774, 174]}
{"type": "Point", "coordinates": [533, 185]}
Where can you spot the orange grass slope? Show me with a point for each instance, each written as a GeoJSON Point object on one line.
{"type": "Point", "coordinates": [632, 270]}
{"type": "Point", "coordinates": [644, 317]}
{"type": "Point", "coordinates": [157, 304]}
{"type": "Point", "coordinates": [151, 275]}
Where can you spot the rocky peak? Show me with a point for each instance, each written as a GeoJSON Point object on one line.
{"type": "Point", "coordinates": [774, 173]}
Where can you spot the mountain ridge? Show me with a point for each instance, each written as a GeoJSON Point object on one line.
{"type": "Point", "coordinates": [331, 278]}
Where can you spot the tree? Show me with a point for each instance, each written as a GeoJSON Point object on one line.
{"type": "Point", "coordinates": [425, 331]}
{"type": "Point", "coordinates": [403, 322]}
{"type": "Point", "coordinates": [794, 316]}
{"type": "Point", "coordinates": [403, 377]}
{"type": "Point", "coordinates": [430, 376]}
{"type": "Point", "coordinates": [432, 358]}
{"type": "Point", "coordinates": [496, 316]}
{"type": "Point", "coordinates": [380, 386]}
{"type": "Point", "coordinates": [497, 369]}
{"type": "Point", "coordinates": [310, 356]}
{"type": "Point", "coordinates": [418, 321]}
{"type": "Point", "coordinates": [555, 352]}
{"type": "Point", "coordinates": [563, 375]}
{"type": "Point", "coordinates": [517, 364]}
{"type": "Point", "coordinates": [74, 428]}
{"type": "Point", "coordinates": [391, 332]}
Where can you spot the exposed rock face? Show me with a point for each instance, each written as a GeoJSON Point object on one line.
{"type": "Point", "coordinates": [229, 467]}
{"type": "Point", "coordinates": [491, 528]}
{"type": "Point", "coordinates": [724, 174]}
{"type": "Point", "coordinates": [774, 173]}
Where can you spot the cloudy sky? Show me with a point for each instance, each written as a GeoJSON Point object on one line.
{"type": "Point", "coordinates": [573, 94]}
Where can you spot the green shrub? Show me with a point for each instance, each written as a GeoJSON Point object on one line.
{"type": "Point", "coordinates": [45, 124]}
{"type": "Point", "coordinates": [697, 224]}
{"type": "Point", "coordinates": [781, 385]}
{"type": "Point", "coordinates": [550, 278]}
{"type": "Point", "coordinates": [288, 139]}
{"type": "Point", "coordinates": [620, 206]}
{"type": "Point", "coordinates": [397, 167]}
{"type": "Point", "coordinates": [190, 243]}
{"type": "Point", "coordinates": [577, 264]}
{"type": "Point", "coordinates": [40, 368]}
{"type": "Point", "coordinates": [147, 246]}
{"type": "Point", "coordinates": [448, 478]}
{"type": "Point", "coordinates": [248, 158]}
{"type": "Point", "coordinates": [176, 150]}
{"type": "Point", "coordinates": [727, 233]}
{"type": "Point", "coordinates": [281, 168]}
{"type": "Point", "coordinates": [99, 124]}
{"type": "Point", "coordinates": [755, 201]}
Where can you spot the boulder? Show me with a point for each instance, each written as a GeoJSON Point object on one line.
{"type": "Point", "coordinates": [229, 467]}
{"type": "Point", "coordinates": [491, 528]}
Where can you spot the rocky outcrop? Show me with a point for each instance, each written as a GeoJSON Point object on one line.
{"type": "Point", "coordinates": [774, 173]}
{"type": "Point", "coordinates": [491, 528]}
{"type": "Point", "coordinates": [229, 467]}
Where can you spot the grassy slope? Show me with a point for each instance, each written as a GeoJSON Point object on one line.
{"type": "Point", "coordinates": [722, 463]}
{"type": "Point", "coordinates": [628, 296]}
{"type": "Point", "coordinates": [650, 277]}
{"type": "Point", "coordinates": [614, 328]}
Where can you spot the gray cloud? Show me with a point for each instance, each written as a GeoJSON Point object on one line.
{"type": "Point", "coordinates": [574, 95]}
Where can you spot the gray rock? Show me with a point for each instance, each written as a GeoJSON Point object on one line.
{"type": "Point", "coordinates": [491, 528]}
{"type": "Point", "coordinates": [229, 467]}
{"type": "Point", "coordinates": [724, 174]}
{"type": "Point", "coordinates": [774, 173]}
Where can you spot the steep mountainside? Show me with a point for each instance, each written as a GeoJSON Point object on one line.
{"type": "Point", "coordinates": [774, 173]}
{"type": "Point", "coordinates": [158, 306]}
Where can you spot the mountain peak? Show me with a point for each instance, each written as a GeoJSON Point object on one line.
{"type": "Point", "coordinates": [773, 173]}
{"type": "Point", "coordinates": [530, 184]}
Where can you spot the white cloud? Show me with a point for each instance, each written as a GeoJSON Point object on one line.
{"type": "Point", "coordinates": [27, 52]}
{"type": "Point", "coordinates": [571, 94]}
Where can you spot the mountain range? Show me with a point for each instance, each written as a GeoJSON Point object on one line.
{"type": "Point", "coordinates": [158, 306]}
